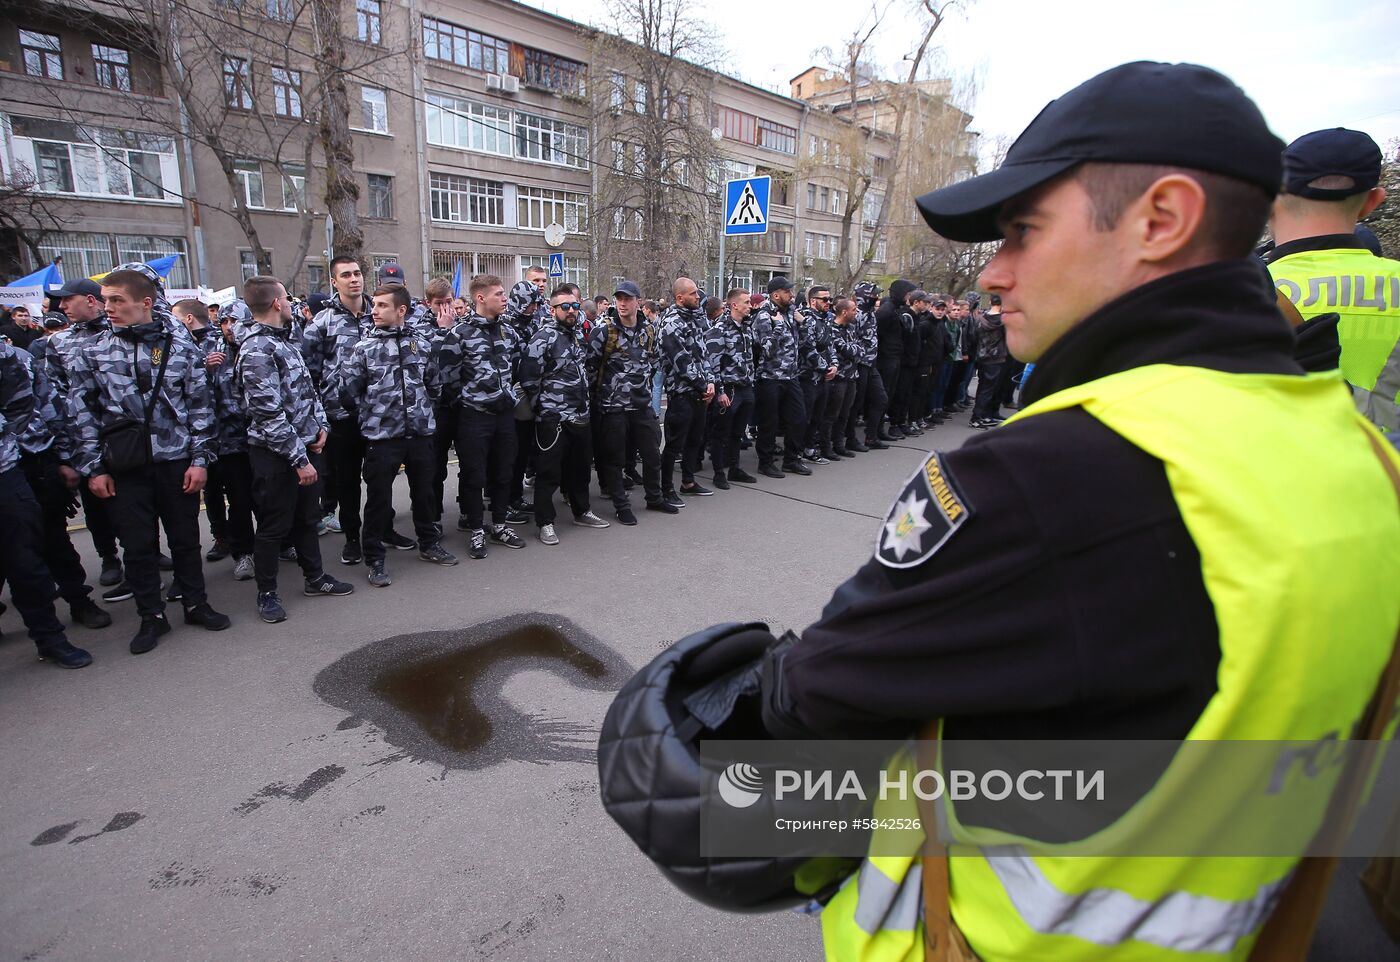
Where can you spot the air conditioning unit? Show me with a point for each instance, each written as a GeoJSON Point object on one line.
{"type": "Point", "coordinates": [510, 84]}
{"type": "Point", "coordinates": [493, 81]}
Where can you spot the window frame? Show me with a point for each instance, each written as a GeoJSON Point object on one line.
{"type": "Point", "coordinates": [474, 118]}
{"type": "Point", "coordinates": [777, 137]}
{"type": "Point", "coordinates": [248, 172]}
{"type": "Point", "coordinates": [369, 21]}
{"type": "Point", "coordinates": [109, 72]}
{"type": "Point", "coordinates": [379, 204]}
{"type": "Point", "coordinates": [463, 40]}
{"type": "Point", "coordinates": [467, 196]}
{"type": "Point", "coordinates": [49, 58]}
{"type": "Point", "coordinates": [551, 205]}
{"type": "Point", "coordinates": [286, 93]}
{"type": "Point", "coordinates": [553, 72]}
{"type": "Point", "coordinates": [297, 182]}
{"type": "Point", "coordinates": [552, 138]}
{"type": "Point", "coordinates": [366, 104]}
{"type": "Point", "coordinates": [237, 82]}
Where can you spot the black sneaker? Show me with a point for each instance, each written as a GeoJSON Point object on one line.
{"type": "Point", "coordinates": [518, 515]}
{"type": "Point", "coordinates": [673, 499]}
{"type": "Point", "coordinates": [205, 616]}
{"type": "Point", "coordinates": [288, 554]}
{"type": "Point", "coordinates": [122, 592]}
{"type": "Point", "coordinates": [270, 607]}
{"type": "Point", "coordinates": [148, 635]}
{"type": "Point", "coordinates": [164, 562]}
{"type": "Point", "coordinates": [352, 555]}
{"type": "Point", "coordinates": [625, 516]}
{"type": "Point", "coordinates": [326, 585]}
{"type": "Point", "coordinates": [696, 489]}
{"type": "Point", "coordinates": [856, 447]}
{"type": "Point", "coordinates": [218, 551]}
{"type": "Point", "coordinates": [477, 551]}
{"type": "Point", "coordinates": [797, 467]}
{"type": "Point", "coordinates": [630, 476]}
{"type": "Point", "coordinates": [174, 594]}
{"type": "Point", "coordinates": [64, 654]}
{"type": "Point", "coordinates": [377, 576]}
{"type": "Point", "coordinates": [463, 524]}
{"type": "Point", "coordinates": [438, 555]}
{"type": "Point", "coordinates": [742, 476]}
{"type": "Point", "coordinates": [665, 507]}
{"type": "Point", "coordinates": [398, 542]}
{"type": "Point", "coordinates": [504, 535]}
{"type": "Point", "coordinates": [88, 615]}
{"type": "Point", "coordinates": [875, 444]}
{"type": "Point", "coordinates": [819, 458]}
{"type": "Point", "coordinates": [769, 471]}
{"type": "Point", "coordinates": [111, 572]}
{"type": "Point", "coordinates": [720, 481]}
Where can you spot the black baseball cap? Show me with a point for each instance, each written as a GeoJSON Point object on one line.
{"type": "Point", "coordinates": [1331, 153]}
{"type": "Point", "coordinates": [779, 284]}
{"type": "Point", "coordinates": [1181, 115]}
{"type": "Point", "coordinates": [83, 287]}
{"type": "Point", "coordinates": [629, 288]}
{"type": "Point", "coordinates": [391, 272]}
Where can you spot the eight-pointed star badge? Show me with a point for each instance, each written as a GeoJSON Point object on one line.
{"type": "Point", "coordinates": [926, 514]}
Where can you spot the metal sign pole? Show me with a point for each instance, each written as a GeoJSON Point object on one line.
{"type": "Point", "coordinates": [723, 281]}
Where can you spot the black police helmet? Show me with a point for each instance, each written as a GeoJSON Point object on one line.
{"type": "Point", "coordinates": [653, 781]}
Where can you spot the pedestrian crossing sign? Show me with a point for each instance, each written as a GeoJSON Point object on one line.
{"type": "Point", "coordinates": [556, 265]}
{"type": "Point", "coordinates": [746, 205]}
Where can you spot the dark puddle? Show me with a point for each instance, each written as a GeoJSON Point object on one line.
{"type": "Point", "coordinates": [437, 697]}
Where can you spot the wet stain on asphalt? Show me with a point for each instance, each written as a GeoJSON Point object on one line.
{"type": "Point", "coordinates": [436, 695]}
{"type": "Point", "coordinates": [56, 834]}
{"type": "Point", "coordinates": [177, 875]}
{"type": "Point", "coordinates": [118, 822]}
{"type": "Point", "coordinates": [309, 786]}
{"type": "Point", "coordinates": [349, 722]}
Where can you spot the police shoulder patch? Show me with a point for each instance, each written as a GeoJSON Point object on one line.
{"type": "Point", "coordinates": [927, 513]}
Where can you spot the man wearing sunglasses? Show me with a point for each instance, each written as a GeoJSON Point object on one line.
{"type": "Point", "coordinates": [554, 376]}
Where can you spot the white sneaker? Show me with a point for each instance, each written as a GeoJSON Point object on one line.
{"type": "Point", "coordinates": [547, 535]}
{"type": "Point", "coordinates": [243, 568]}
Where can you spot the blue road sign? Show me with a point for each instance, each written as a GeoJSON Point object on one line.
{"type": "Point", "coordinates": [556, 265]}
{"type": "Point", "coordinates": [746, 205]}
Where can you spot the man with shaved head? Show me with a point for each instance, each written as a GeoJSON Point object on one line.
{"type": "Point", "coordinates": [689, 389]}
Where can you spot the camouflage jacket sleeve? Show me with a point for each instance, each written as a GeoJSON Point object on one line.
{"type": "Point", "coordinates": [352, 380]}
{"type": "Point", "coordinates": [535, 362]}
{"type": "Point", "coordinates": [199, 409]}
{"type": "Point", "coordinates": [260, 380]}
{"type": "Point", "coordinates": [447, 363]}
{"type": "Point", "coordinates": [683, 369]}
{"type": "Point", "coordinates": [314, 345]}
{"type": "Point", "coordinates": [85, 399]}
{"type": "Point", "coordinates": [47, 428]}
{"type": "Point", "coordinates": [763, 339]}
{"type": "Point", "coordinates": [16, 405]}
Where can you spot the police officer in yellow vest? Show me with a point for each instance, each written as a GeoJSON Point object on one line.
{"type": "Point", "coordinates": [1330, 182]}
{"type": "Point", "coordinates": [1129, 557]}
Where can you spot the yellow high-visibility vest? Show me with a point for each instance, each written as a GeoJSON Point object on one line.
{"type": "Point", "coordinates": [1299, 537]}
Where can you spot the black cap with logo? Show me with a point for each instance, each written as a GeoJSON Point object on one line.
{"type": "Point", "coordinates": [1336, 153]}
{"type": "Point", "coordinates": [1181, 115]}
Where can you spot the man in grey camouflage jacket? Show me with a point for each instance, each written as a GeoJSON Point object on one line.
{"type": "Point", "coordinates": [622, 360]}
{"type": "Point", "coordinates": [234, 471]}
{"type": "Point", "coordinates": [118, 390]}
{"type": "Point", "coordinates": [388, 383]}
{"type": "Point", "coordinates": [21, 548]}
{"type": "Point", "coordinates": [847, 353]}
{"type": "Point", "coordinates": [689, 388]}
{"type": "Point", "coordinates": [286, 440]}
{"type": "Point", "coordinates": [729, 347]}
{"type": "Point", "coordinates": [818, 366]}
{"type": "Point", "coordinates": [554, 376]}
{"type": "Point", "coordinates": [871, 399]}
{"type": "Point", "coordinates": [779, 339]}
{"type": "Point", "coordinates": [476, 364]}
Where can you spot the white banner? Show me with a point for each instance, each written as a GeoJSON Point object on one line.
{"type": "Point", "coordinates": [223, 298]}
{"type": "Point", "coordinates": [173, 294]}
{"type": "Point", "coordinates": [31, 297]}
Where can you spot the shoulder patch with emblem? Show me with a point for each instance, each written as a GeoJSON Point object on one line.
{"type": "Point", "coordinates": [928, 512]}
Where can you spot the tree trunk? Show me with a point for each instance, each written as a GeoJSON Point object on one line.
{"type": "Point", "coordinates": [342, 190]}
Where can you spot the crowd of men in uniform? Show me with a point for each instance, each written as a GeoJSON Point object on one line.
{"type": "Point", "coordinates": [284, 420]}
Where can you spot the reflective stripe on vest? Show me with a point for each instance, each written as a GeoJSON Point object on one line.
{"type": "Point", "coordinates": [1179, 921]}
{"type": "Point", "coordinates": [1229, 444]}
{"type": "Point", "coordinates": [883, 903]}
{"type": "Point", "coordinates": [1365, 290]}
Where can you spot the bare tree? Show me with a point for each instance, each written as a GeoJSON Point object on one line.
{"type": "Point", "coordinates": [656, 163]}
{"type": "Point", "coordinates": [342, 190]}
{"type": "Point", "coordinates": [28, 216]}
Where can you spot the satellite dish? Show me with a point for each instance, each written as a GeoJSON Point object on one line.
{"type": "Point", "coordinates": [554, 235]}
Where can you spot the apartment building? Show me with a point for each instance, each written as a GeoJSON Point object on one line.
{"type": "Point", "coordinates": [474, 128]}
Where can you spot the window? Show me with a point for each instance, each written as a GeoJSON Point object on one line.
{"type": "Point", "coordinates": [43, 54]}
{"type": "Point", "coordinates": [248, 264]}
{"type": "Point", "coordinates": [238, 88]}
{"type": "Point", "coordinates": [811, 196]}
{"type": "Point", "coordinates": [374, 110]}
{"type": "Point", "coordinates": [468, 125]}
{"type": "Point", "coordinates": [368, 18]}
{"type": "Point", "coordinates": [538, 207]}
{"type": "Point", "coordinates": [67, 159]}
{"type": "Point", "coordinates": [381, 196]}
{"type": "Point", "coordinates": [871, 212]}
{"type": "Point", "coordinates": [286, 92]}
{"type": "Point", "coordinates": [467, 200]}
{"type": "Point", "coordinates": [777, 137]}
{"type": "Point", "coordinates": [550, 141]}
{"type": "Point", "coordinates": [627, 224]}
{"type": "Point", "coordinates": [836, 206]}
{"type": "Point", "coordinates": [880, 166]}
{"type": "Point", "coordinates": [284, 10]}
{"type": "Point", "coordinates": [737, 125]}
{"type": "Point", "coordinates": [447, 41]}
{"type": "Point", "coordinates": [824, 203]}
{"type": "Point", "coordinates": [250, 181]}
{"type": "Point", "coordinates": [777, 241]}
{"type": "Point", "coordinates": [293, 187]}
{"type": "Point", "coordinates": [807, 239]}
{"type": "Point", "coordinates": [83, 254]}
{"type": "Point", "coordinates": [377, 261]}
{"type": "Point", "coordinates": [554, 73]}
{"type": "Point", "coordinates": [880, 250]}
{"type": "Point", "coordinates": [111, 67]}
{"type": "Point", "coordinates": [821, 246]}
{"type": "Point", "coordinates": [811, 145]}
{"type": "Point", "coordinates": [316, 276]}
{"type": "Point", "coordinates": [137, 247]}
{"type": "Point", "coordinates": [641, 94]}
{"type": "Point", "coordinates": [617, 91]}
{"type": "Point", "coordinates": [575, 268]}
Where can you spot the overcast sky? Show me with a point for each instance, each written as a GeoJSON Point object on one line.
{"type": "Point", "coordinates": [1307, 64]}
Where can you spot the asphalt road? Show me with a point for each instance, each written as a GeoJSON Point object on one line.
{"type": "Point", "coordinates": [249, 795]}
{"type": "Point", "coordinates": [301, 791]}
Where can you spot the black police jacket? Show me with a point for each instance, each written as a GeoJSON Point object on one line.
{"type": "Point", "coordinates": [1069, 604]}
